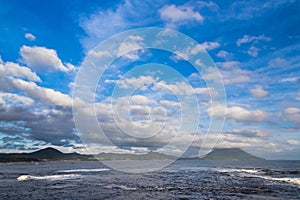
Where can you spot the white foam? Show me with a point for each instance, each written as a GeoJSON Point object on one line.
{"type": "Point", "coordinates": [50, 177]}
{"type": "Point", "coordinates": [84, 170]}
{"type": "Point", "coordinates": [258, 174]}
{"type": "Point", "coordinates": [250, 171]}
{"type": "Point", "coordinates": [283, 179]}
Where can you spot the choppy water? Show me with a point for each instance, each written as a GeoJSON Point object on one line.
{"type": "Point", "coordinates": [185, 179]}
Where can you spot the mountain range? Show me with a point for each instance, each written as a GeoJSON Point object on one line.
{"type": "Point", "coordinates": [52, 154]}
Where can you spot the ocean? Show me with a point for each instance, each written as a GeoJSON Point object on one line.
{"type": "Point", "coordinates": [184, 179]}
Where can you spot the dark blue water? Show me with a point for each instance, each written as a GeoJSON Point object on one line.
{"type": "Point", "coordinates": [185, 179]}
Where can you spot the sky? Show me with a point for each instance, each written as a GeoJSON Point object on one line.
{"type": "Point", "coordinates": [246, 70]}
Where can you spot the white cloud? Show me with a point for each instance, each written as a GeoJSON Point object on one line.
{"type": "Point", "coordinates": [290, 79]}
{"type": "Point", "coordinates": [15, 99]}
{"type": "Point", "coordinates": [140, 99]}
{"type": "Point", "coordinates": [193, 50]}
{"type": "Point", "coordinates": [140, 82]}
{"type": "Point", "coordinates": [224, 54]}
{"type": "Point", "coordinates": [43, 59]}
{"type": "Point", "coordinates": [253, 51]}
{"type": "Point", "coordinates": [292, 114]}
{"type": "Point", "coordinates": [230, 73]}
{"type": "Point", "coordinates": [248, 39]}
{"type": "Point", "coordinates": [210, 45]}
{"type": "Point", "coordinates": [29, 36]}
{"type": "Point", "coordinates": [126, 15]}
{"type": "Point", "coordinates": [133, 43]}
{"type": "Point", "coordinates": [237, 113]}
{"type": "Point", "coordinates": [45, 95]}
{"type": "Point", "coordinates": [294, 142]}
{"type": "Point", "coordinates": [278, 63]}
{"type": "Point", "coordinates": [179, 15]}
{"type": "Point", "coordinates": [172, 104]}
{"type": "Point", "coordinates": [259, 92]}
{"type": "Point", "coordinates": [15, 70]}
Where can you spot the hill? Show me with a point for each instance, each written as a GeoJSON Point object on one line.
{"type": "Point", "coordinates": [230, 154]}
{"type": "Point", "coordinates": [51, 154]}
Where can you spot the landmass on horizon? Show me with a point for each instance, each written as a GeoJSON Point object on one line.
{"type": "Point", "coordinates": [52, 154]}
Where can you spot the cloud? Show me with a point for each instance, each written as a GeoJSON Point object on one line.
{"type": "Point", "coordinates": [259, 92]}
{"type": "Point", "coordinates": [248, 39]}
{"type": "Point", "coordinates": [294, 142]}
{"type": "Point", "coordinates": [133, 43]}
{"type": "Point", "coordinates": [15, 99]}
{"type": "Point", "coordinates": [141, 100]}
{"type": "Point", "coordinates": [10, 69]}
{"type": "Point", "coordinates": [224, 54]}
{"type": "Point", "coordinates": [248, 133]}
{"type": "Point", "coordinates": [278, 63]}
{"type": "Point", "coordinates": [44, 95]}
{"type": "Point", "coordinates": [126, 15]}
{"type": "Point", "coordinates": [194, 50]}
{"type": "Point", "coordinates": [237, 113]}
{"type": "Point", "coordinates": [179, 15]}
{"type": "Point", "coordinates": [253, 51]}
{"type": "Point", "coordinates": [210, 45]}
{"type": "Point", "coordinates": [29, 36]}
{"type": "Point", "coordinates": [231, 73]}
{"type": "Point", "coordinates": [42, 59]}
{"type": "Point", "coordinates": [292, 114]}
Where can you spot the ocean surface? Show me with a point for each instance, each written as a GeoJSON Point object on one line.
{"type": "Point", "coordinates": [184, 179]}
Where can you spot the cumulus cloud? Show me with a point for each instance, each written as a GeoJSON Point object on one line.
{"type": "Point", "coordinates": [45, 95]}
{"type": "Point", "coordinates": [29, 36]}
{"type": "Point", "coordinates": [237, 113]}
{"type": "Point", "coordinates": [43, 60]}
{"type": "Point", "coordinates": [259, 92]}
{"type": "Point", "coordinates": [10, 69]}
{"type": "Point", "coordinates": [179, 15]}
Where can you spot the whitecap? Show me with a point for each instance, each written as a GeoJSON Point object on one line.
{"type": "Point", "coordinates": [84, 170]}
{"type": "Point", "coordinates": [50, 177]}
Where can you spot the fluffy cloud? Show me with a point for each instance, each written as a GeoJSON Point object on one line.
{"type": "Point", "coordinates": [14, 99]}
{"type": "Point", "coordinates": [237, 113]}
{"type": "Point", "coordinates": [42, 59]}
{"type": "Point", "coordinates": [44, 95]}
{"type": "Point", "coordinates": [224, 54]}
{"type": "Point", "coordinates": [10, 69]}
{"type": "Point", "coordinates": [29, 36]}
{"type": "Point", "coordinates": [179, 15]}
{"type": "Point", "coordinates": [259, 92]}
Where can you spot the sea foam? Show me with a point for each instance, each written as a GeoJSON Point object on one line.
{"type": "Point", "coordinates": [50, 177]}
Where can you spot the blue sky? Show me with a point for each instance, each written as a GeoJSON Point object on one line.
{"type": "Point", "coordinates": [254, 44]}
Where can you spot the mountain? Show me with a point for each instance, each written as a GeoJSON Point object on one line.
{"type": "Point", "coordinates": [148, 156]}
{"type": "Point", "coordinates": [230, 154]}
{"type": "Point", "coordinates": [51, 154]}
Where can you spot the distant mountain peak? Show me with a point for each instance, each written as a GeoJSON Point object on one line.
{"type": "Point", "coordinates": [230, 154]}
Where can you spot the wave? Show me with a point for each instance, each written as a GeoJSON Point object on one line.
{"type": "Point", "coordinates": [50, 177]}
{"type": "Point", "coordinates": [263, 173]}
{"type": "Point", "coordinates": [282, 179]}
{"type": "Point", "coordinates": [84, 170]}
{"type": "Point", "coordinates": [226, 170]}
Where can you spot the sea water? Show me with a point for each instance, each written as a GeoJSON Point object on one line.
{"type": "Point", "coordinates": [184, 179]}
